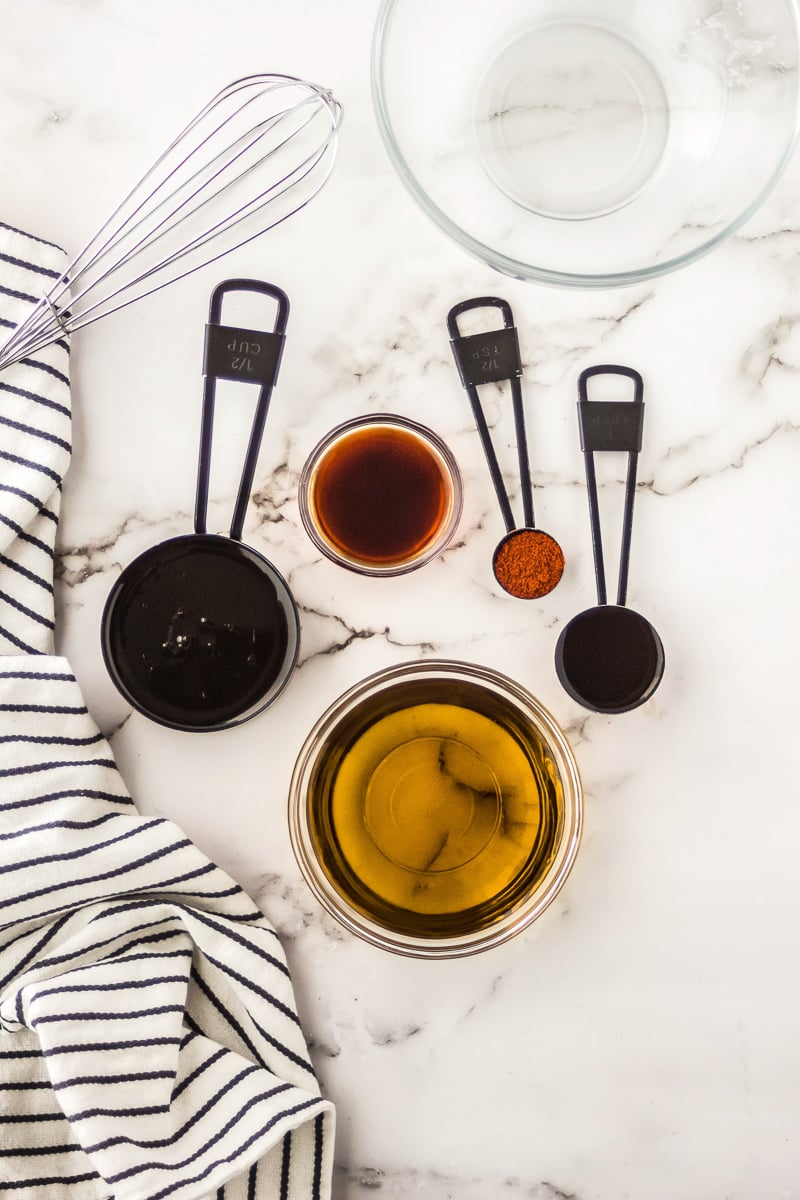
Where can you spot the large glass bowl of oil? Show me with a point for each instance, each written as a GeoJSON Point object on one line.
{"type": "Point", "coordinates": [435, 809]}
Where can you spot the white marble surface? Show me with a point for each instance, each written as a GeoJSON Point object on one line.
{"type": "Point", "coordinates": [641, 1040]}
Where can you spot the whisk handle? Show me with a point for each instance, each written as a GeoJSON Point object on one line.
{"type": "Point", "coordinates": [247, 355]}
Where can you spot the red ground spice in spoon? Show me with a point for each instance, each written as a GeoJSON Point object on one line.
{"type": "Point", "coordinates": [528, 563]}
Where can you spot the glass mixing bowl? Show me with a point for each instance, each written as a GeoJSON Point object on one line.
{"type": "Point", "coordinates": [435, 809]}
{"type": "Point", "coordinates": [588, 143]}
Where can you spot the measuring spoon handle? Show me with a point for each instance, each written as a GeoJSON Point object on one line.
{"type": "Point", "coordinates": [611, 425]}
{"type": "Point", "coordinates": [493, 356]}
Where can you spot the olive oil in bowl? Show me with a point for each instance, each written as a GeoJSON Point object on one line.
{"type": "Point", "coordinates": [436, 809]}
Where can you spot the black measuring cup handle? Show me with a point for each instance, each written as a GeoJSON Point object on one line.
{"type": "Point", "coordinates": [243, 355]}
{"type": "Point", "coordinates": [610, 658]}
{"type": "Point", "coordinates": [611, 425]}
{"type": "Point", "coordinates": [494, 357]}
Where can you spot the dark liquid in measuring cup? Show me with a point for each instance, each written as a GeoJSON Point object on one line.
{"type": "Point", "coordinates": [199, 634]}
{"type": "Point", "coordinates": [380, 495]}
{"type": "Point", "coordinates": [610, 658]}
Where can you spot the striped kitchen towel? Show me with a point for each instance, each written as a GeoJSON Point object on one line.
{"type": "Point", "coordinates": [149, 1041]}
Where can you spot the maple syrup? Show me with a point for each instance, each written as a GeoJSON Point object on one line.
{"type": "Point", "coordinates": [199, 632]}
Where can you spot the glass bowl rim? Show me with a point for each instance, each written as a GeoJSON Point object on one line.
{"type": "Point", "coordinates": [513, 922]}
{"type": "Point", "coordinates": [435, 546]}
{"type": "Point", "coordinates": [528, 272]}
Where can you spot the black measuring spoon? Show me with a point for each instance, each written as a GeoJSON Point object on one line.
{"type": "Point", "coordinates": [527, 562]}
{"type": "Point", "coordinates": [201, 632]}
{"type": "Point", "coordinates": [610, 658]}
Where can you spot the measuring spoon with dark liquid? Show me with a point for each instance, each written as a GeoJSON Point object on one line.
{"type": "Point", "coordinates": [610, 658]}
{"type": "Point", "coordinates": [527, 562]}
{"type": "Point", "coordinates": [201, 632]}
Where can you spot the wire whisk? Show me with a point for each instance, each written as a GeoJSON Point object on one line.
{"type": "Point", "coordinates": [257, 153]}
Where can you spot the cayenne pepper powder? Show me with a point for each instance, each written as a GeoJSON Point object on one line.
{"type": "Point", "coordinates": [528, 563]}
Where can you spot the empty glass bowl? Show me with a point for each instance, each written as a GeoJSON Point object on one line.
{"type": "Point", "coordinates": [435, 809]}
{"type": "Point", "coordinates": [587, 142]}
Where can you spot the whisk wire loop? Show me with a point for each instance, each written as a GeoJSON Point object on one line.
{"type": "Point", "coordinates": [169, 224]}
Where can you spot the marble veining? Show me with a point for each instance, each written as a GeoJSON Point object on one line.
{"type": "Point", "coordinates": [750, 51]}
{"type": "Point", "coordinates": [640, 1040]}
{"type": "Point", "coordinates": [391, 1185]}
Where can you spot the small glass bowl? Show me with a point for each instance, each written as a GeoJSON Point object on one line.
{"type": "Point", "coordinates": [587, 143]}
{"type": "Point", "coordinates": [380, 495]}
{"type": "Point", "coordinates": [435, 809]}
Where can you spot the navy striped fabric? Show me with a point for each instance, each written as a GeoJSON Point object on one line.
{"type": "Point", "coordinates": [149, 1041]}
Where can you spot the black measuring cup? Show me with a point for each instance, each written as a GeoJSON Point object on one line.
{"type": "Point", "coordinates": [610, 658]}
{"type": "Point", "coordinates": [201, 632]}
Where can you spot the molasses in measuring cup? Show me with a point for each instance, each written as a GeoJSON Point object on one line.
{"type": "Point", "coordinates": [201, 631]}
{"type": "Point", "coordinates": [609, 658]}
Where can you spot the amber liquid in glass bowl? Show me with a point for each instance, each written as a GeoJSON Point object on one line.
{"type": "Point", "coordinates": [436, 809]}
{"type": "Point", "coordinates": [380, 495]}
